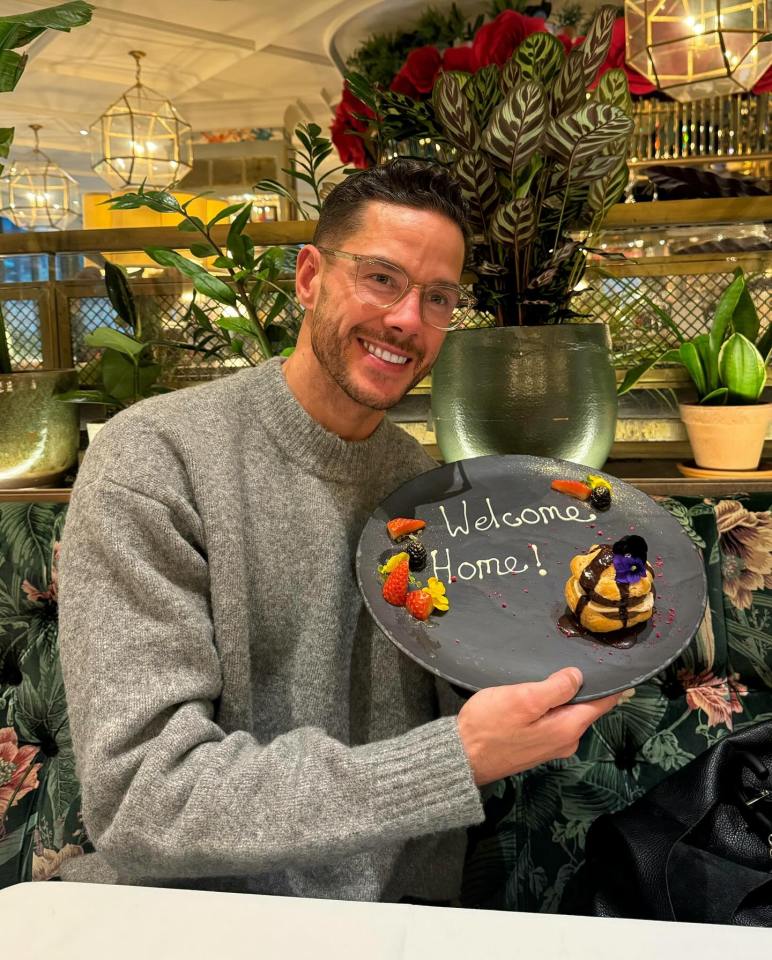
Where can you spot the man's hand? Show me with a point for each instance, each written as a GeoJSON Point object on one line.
{"type": "Point", "coordinates": [509, 729]}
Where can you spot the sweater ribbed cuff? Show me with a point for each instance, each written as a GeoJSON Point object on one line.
{"type": "Point", "coordinates": [423, 777]}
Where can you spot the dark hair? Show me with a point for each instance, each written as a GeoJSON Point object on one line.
{"type": "Point", "coordinates": [405, 182]}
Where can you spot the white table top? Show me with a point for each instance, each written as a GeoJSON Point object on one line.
{"type": "Point", "coordinates": [74, 921]}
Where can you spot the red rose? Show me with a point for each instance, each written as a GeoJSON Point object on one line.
{"type": "Point", "coordinates": [421, 68]}
{"type": "Point", "coordinates": [496, 41]}
{"type": "Point", "coordinates": [568, 42]}
{"type": "Point", "coordinates": [459, 58]}
{"type": "Point", "coordinates": [349, 146]}
{"type": "Point", "coordinates": [404, 85]}
{"type": "Point", "coordinates": [638, 84]}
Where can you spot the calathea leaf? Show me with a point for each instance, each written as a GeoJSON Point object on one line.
{"type": "Point", "coordinates": [576, 137]}
{"type": "Point", "coordinates": [454, 113]}
{"type": "Point", "coordinates": [594, 47]}
{"type": "Point", "coordinates": [478, 184]}
{"type": "Point", "coordinates": [514, 222]}
{"type": "Point", "coordinates": [516, 126]}
{"type": "Point", "coordinates": [484, 92]}
{"type": "Point", "coordinates": [613, 89]}
{"type": "Point", "coordinates": [569, 90]}
{"type": "Point", "coordinates": [510, 74]}
{"type": "Point", "coordinates": [540, 57]}
{"type": "Point", "coordinates": [604, 193]}
{"type": "Point", "coordinates": [593, 169]}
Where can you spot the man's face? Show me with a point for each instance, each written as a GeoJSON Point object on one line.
{"type": "Point", "coordinates": [345, 332]}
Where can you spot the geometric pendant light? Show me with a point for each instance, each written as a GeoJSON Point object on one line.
{"type": "Point", "coordinates": [694, 49]}
{"type": "Point", "coordinates": [37, 194]}
{"type": "Point", "coordinates": [141, 138]}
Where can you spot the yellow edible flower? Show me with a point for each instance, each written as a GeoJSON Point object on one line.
{"type": "Point", "coordinates": [595, 481]}
{"type": "Point", "coordinates": [436, 590]}
{"type": "Point", "coordinates": [392, 562]}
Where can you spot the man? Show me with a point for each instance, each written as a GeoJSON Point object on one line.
{"type": "Point", "coordinates": [239, 722]}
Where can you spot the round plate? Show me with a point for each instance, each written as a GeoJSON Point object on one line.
{"type": "Point", "coordinates": [501, 540]}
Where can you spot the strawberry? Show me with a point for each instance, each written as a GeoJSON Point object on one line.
{"type": "Point", "coordinates": [574, 488]}
{"type": "Point", "coordinates": [419, 604]}
{"type": "Point", "coordinates": [395, 587]}
{"type": "Point", "coordinates": [400, 527]}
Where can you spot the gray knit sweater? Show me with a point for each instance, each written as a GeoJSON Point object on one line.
{"type": "Point", "coordinates": [239, 722]}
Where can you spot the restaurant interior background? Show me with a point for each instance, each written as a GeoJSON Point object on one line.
{"type": "Point", "coordinates": [218, 112]}
{"type": "Point", "coordinates": [133, 98]}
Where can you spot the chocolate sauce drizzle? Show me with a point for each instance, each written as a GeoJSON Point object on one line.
{"type": "Point", "coordinates": [571, 624]}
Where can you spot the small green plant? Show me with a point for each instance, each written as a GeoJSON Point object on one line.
{"type": "Point", "coordinates": [16, 32]}
{"type": "Point", "coordinates": [728, 365]}
{"type": "Point", "coordinates": [127, 367]}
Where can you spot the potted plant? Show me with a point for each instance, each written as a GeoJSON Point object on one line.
{"type": "Point", "coordinates": [39, 439]}
{"type": "Point", "coordinates": [250, 290]}
{"type": "Point", "coordinates": [728, 423]}
{"type": "Point", "coordinates": [541, 162]}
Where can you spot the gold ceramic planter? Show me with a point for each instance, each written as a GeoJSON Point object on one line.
{"type": "Point", "coordinates": [39, 434]}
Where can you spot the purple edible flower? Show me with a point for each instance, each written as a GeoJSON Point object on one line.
{"type": "Point", "coordinates": [629, 569]}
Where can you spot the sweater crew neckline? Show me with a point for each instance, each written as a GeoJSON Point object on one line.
{"type": "Point", "coordinates": [303, 439]}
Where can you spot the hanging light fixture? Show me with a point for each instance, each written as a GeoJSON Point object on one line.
{"type": "Point", "coordinates": [698, 48]}
{"type": "Point", "coordinates": [36, 194]}
{"type": "Point", "coordinates": [141, 139]}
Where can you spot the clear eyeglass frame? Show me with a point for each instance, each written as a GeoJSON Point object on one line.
{"type": "Point", "coordinates": [459, 313]}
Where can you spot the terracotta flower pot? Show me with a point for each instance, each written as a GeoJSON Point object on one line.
{"type": "Point", "coordinates": [727, 438]}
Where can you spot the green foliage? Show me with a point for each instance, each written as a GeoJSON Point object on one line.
{"type": "Point", "coordinates": [18, 31]}
{"type": "Point", "coordinates": [305, 166]}
{"type": "Point", "coordinates": [726, 364]}
{"type": "Point", "coordinates": [537, 161]}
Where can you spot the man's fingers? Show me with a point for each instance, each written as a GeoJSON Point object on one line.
{"type": "Point", "coordinates": [583, 715]}
{"type": "Point", "coordinates": [557, 689]}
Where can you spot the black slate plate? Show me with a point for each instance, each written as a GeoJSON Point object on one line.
{"type": "Point", "coordinates": [502, 626]}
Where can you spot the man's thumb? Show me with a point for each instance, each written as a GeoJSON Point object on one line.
{"type": "Point", "coordinates": [560, 687]}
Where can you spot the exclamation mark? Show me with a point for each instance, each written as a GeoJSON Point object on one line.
{"type": "Point", "coordinates": [542, 571]}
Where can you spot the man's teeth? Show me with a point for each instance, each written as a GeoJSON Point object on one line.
{"type": "Point", "coordinates": [384, 354]}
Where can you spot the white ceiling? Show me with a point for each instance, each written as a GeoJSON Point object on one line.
{"type": "Point", "coordinates": [224, 63]}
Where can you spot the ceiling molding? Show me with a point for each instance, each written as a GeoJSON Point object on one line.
{"type": "Point", "coordinates": [178, 29]}
{"type": "Point", "coordinates": [291, 54]}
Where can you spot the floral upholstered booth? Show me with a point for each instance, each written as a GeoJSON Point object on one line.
{"type": "Point", "coordinates": [532, 842]}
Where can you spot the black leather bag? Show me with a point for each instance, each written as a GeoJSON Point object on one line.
{"type": "Point", "coordinates": [696, 848]}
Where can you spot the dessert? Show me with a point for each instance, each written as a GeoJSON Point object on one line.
{"type": "Point", "coordinates": [573, 488]}
{"type": "Point", "coordinates": [395, 587]}
{"type": "Point", "coordinates": [421, 601]}
{"type": "Point", "coordinates": [611, 587]}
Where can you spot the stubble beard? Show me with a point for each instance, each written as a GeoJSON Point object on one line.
{"type": "Point", "coordinates": [330, 353]}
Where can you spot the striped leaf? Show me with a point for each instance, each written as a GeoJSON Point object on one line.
{"type": "Point", "coordinates": [484, 92]}
{"type": "Point", "coordinates": [594, 47]}
{"type": "Point", "coordinates": [606, 192]}
{"type": "Point", "coordinates": [514, 222]}
{"type": "Point", "coordinates": [517, 125]}
{"type": "Point", "coordinates": [591, 171]}
{"type": "Point", "coordinates": [613, 89]}
{"type": "Point", "coordinates": [540, 57]}
{"type": "Point", "coordinates": [569, 90]}
{"type": "Point", "coordinates": [575, 137]}
{"type": "Point", "coordinates": [477, 177]}
{"type": "Point", "coordinates": [510, 74]}
{"type": "Point", "coordinates": [454, 113]}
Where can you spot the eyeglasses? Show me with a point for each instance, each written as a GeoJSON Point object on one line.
{"type": "Point", "coordinates": [382, 284]}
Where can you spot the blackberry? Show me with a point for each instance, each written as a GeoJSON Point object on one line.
{"type": "Point", "coordinates": [417, 553]}
{"type": "Point", "coordinates": [600, 497]}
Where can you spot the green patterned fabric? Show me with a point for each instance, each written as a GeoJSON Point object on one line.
{"type": "Point", "coordinates": [40, 824]}
{"type": "Point", "coordinates": [533, 838]}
